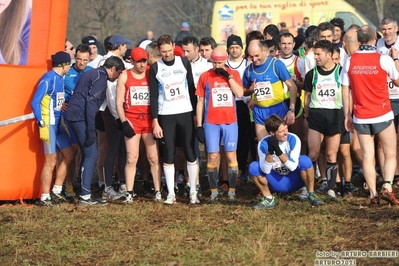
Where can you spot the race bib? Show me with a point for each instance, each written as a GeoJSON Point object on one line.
{"type": "Point", "coordinates": [60, 99]}
{"type": "Point", "coordinates": [222, 97]}
{"type": "Point", "coordinates": [263, 91]}
{"type": "Point", "coordinates": [139, 95]}
{"type": "Point", "coordinates": [280, 169]}
{"type": "Point", "coordinates": [174, 93]}
{"type": "Point", "coordinates": [326, 93]}
{"type": "Point", "coordinates": [393, 90]}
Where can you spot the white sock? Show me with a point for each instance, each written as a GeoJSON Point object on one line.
{"type": "Point", "coordinates": [45, 196]}
{"type": "Point", "coordinates": [169, 172]}
{"type": "Point", "coordinates": [192, 169]}
{"type": "Point", "coordinates": [57, 189]}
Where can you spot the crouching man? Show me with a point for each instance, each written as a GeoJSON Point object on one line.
{"type": "Point", "coordinates": [281, 168]}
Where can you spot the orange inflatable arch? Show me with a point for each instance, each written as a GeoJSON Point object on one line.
{"type": "Point", "coordinates": [21, 156]}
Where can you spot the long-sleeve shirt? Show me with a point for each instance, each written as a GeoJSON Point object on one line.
{"type": "Point", "coordinates": [291, 147]}
{"type": "Point", "coordinates": [51, 85]}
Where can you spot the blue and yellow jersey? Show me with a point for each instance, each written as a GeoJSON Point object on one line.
{"type": "Point", "coordinates": [49, 98]}
{"type": "Point", "coordinates": [269, 89]}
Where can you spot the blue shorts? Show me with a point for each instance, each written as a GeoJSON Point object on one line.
{"type": "Point", "coordinates": [283, 183]}
{"type": "Point", "coordinates": [262, 113]}
{"type": "Point", "coordinates": [71, 134]}
{"type": "Point", "coordinates": [59, 138]}
{"type": "Point", "coordinates": [215, 133]}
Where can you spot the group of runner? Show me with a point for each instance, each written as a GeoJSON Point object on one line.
{"type": "Point", "coordinates": [167, 100]}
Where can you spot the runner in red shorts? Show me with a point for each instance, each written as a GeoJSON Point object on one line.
{"type": "Point", "coordinates": [133, 102]}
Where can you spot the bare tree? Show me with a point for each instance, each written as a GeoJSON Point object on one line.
{"type": "Point", "coordinates": [380, 4]}
{"type": "Point", "coordinates": [197, 13]}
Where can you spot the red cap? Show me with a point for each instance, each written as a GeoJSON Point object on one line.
{"type": "Point", "coordinates": [178, 51]}
{"type": "Point", "coordinates": [138, 54]}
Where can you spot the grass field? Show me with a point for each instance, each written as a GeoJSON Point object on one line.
{"type": "Point", "coordinates": [148, 233]}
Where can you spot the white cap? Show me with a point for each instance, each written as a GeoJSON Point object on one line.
{"type": "Point", "coordinates": [144, 44]}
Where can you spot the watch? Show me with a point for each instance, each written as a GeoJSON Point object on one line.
{"type": "Point", "coordinates": [395, 59]}
{"type": "Point", "coordinates": [41, 123]}
{"type": "Point", "coordinates": [229, 77]}
{"type": "Point", "coordinates": [291, 110]}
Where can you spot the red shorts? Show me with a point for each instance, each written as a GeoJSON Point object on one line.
{"type": "Point", "coordinates": [142, 123]}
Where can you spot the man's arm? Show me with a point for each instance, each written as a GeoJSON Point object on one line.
{"type": "Point", "coordinates": [308, 87]}
{"type": "Point", "coordinates": [120, 96]}
{"type": "Point", "coordinates": [235, 85]}
{"type": "Point", "coordinates": [37, 99]}
{"type": "Point", "coordinates": [200, 111]}
{"type": "Point", "coordinates": [190, 83]}
{"type": "Point", "coordinates": [154, 93]}
{"type": "Point", "coordinates": [290, 116]}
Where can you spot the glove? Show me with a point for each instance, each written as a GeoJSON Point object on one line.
{"type": "Point", "coordinates": [44, 133]}
{"type": "Point", "coordinates": [222, 72]}
{"type": "Point", "coordinates": [273, 142]}
{"type": "Point", "coordinates": [200, 134]}
{"type": "Point", "coordinates": [127, 130]}
{"type": "Point", "coordinates": [270, 149]}
{"type": "Point", "coordinates": [90, 138]}
{"type": "Point", "coordinates": [119, 124]}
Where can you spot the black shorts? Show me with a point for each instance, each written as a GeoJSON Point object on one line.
{"type": "Point", "coordinates": [328, 122]}
{"type": "Point", "coordinates": [345, 137]}
{"type": "Point", "coordinates": [99, 121]}
{"type": "Point", "coordinates": [395, 110]}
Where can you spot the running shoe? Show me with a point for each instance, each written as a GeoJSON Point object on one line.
{"type": "Point", "coordinates": [231, 198]}
{"type": "Point", "coordinates": [111, 194]}
{"type": "Point", "coordinates": [170, 200]}
{"type": "Point", "coordinates": [374, 202]}
{"type": "Point", "coordinates": [122, 189]}
{"type": "Point", "coordinates": [214, 198]}
{"type": "Point", "coordinates": [323, 188]}
{"type": "Point", "coordinates": [158, 196]}
{"type": "Point", "coordinates": [49, 202]}
{"type": "Point", "coordinates": [389, 196]}
{"type": "Point", "coordinates": [92, 201]}
{"type": "Point", "coordinates": [304, 195]}
{"type": "Point", "coordinates": [194, 198]}
{"type": "Point", "coordinates": [264, 203]}
{"type": "Point", "coordinates": [128, 198]}
{"type": "Point", "coordinates": [351, 188]}
{"type": "Point", "coordinates": [60, 198]}
{"type": "Point", "coordinates": [314, 200]}
{"type": "Point", "coordinates": [331, 195]}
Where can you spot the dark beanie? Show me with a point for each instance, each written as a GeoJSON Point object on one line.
{"type": "Point", "coordinates": [60, 59]}
{"type": "Point", "coordinates": [234, 40]}
{"type": "Point", "coordinates": [338, 22]}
